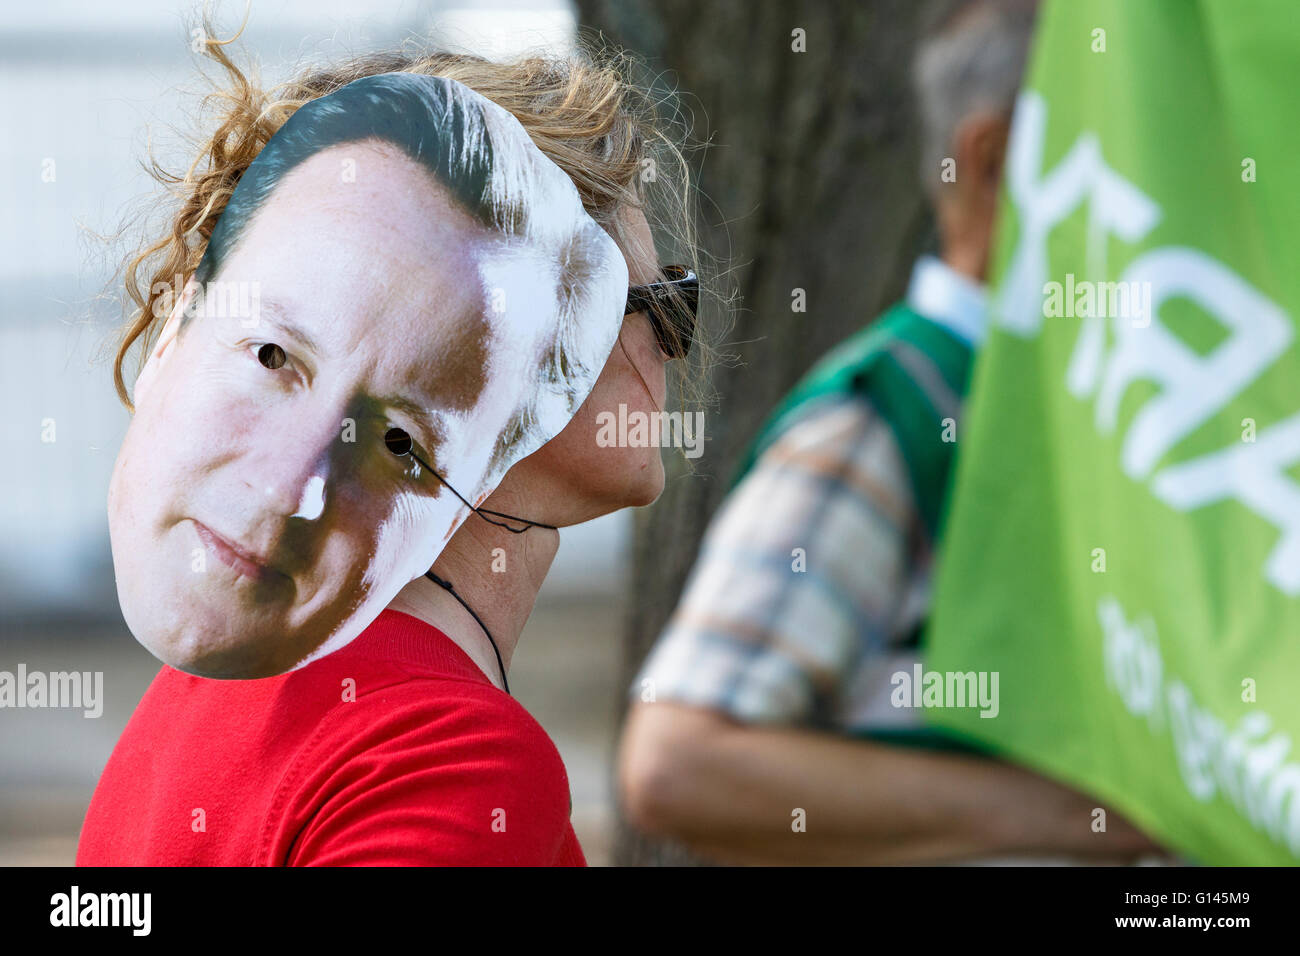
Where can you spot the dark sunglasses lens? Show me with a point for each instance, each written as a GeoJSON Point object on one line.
{"type": "Point", "coordinates": [671, 304]}
{"type": "Point", "coordinates": [682, 304]}
{"type": "Point", "coordinates": [674, 327]}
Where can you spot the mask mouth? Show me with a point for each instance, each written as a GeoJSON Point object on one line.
{"type": "Point", "coordinates": [236, 557]}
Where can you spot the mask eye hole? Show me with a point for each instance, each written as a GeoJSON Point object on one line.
{"type": "Point", "coordinates": [271, 356]}
{"type": "Point", "coordinates": [398, 442]}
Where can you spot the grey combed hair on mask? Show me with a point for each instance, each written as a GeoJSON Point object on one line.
{"type": "Point", "coordinates": [487, 161]}
{"type": "Point", "coordinates": [972, 61]}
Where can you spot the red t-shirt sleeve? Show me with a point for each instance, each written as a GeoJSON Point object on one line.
{"type": "Point", "coordinates": [425, 773]}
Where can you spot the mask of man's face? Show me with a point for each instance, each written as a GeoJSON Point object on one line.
{"type": "Point", "coordinates": [258, 519]}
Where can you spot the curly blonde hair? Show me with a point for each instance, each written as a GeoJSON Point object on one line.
{"type": "Point", "coordinates": [611, 136]}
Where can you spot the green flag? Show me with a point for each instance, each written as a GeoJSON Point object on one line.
{"type": "Point", "coordinates": [1123, 544]}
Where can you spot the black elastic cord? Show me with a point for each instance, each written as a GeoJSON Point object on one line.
{"type": "Point", "coordinates": [399, 443]}
{"type": "Point", "coordinates": [446, 586]}
{"type": "Point", "coordinates": [483, 512]}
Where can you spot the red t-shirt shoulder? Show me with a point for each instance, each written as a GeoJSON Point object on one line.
{"type": "Point", "coordinates": [395, 750]}
{"type": "Point", "coordinates": [436, 771]}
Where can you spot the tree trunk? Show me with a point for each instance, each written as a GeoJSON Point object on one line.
{"type": "Point", "coordinates": [812, 183]}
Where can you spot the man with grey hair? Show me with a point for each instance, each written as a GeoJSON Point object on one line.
{"type": "Point", "coordinates": [768, 723]}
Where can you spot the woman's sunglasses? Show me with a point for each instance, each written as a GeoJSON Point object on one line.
{"type": "Point", "coordinates": [671, 305]}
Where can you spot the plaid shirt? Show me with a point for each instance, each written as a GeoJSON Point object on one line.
{"type": "Point", "coordinates": [813, 580]}
{"type": "Point", "coordinates": [810, 584]}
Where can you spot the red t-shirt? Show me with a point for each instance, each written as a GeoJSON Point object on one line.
{"type": "Point", "coordinates": [395, 750]}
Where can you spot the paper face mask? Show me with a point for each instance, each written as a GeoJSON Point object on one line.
{"type": "Point", "coordinates": [400, 254]}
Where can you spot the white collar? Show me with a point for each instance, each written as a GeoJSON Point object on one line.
{"type": "Point", "coordinates": [946, 297]}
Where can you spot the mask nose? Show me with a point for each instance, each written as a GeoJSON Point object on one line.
{"type": "Point", "coordinates": [291, 476]}
{"type": "Point", "coordinates": [312, 503]}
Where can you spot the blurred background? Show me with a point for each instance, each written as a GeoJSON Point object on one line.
{"type": "Point", "coordinates": [807, 162]}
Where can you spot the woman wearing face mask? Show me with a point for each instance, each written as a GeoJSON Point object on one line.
{"type": "Point", "coordinates": [404, 747]}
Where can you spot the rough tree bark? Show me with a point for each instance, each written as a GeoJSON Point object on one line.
{"type": "Point", "coordinates": [812, 183]}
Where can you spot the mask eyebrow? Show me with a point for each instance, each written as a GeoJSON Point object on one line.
{"type": "Point", "coordinates": [278, 316]}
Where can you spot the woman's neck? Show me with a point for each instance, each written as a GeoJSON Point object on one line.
{"type": "Point", "coordinates": [496, 573]}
